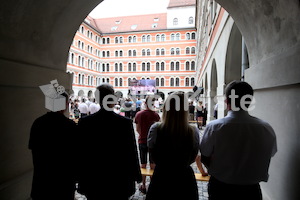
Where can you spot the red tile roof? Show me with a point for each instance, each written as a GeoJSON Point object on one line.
{"type": "Point", "coordinates": [179, 3]}
{"type": "Point", "coordinates": [132, 23]}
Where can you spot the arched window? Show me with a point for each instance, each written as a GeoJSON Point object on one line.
{"type": "Point", "coordinates": [162, 52]}
{"type": "Point", "coordinates": [72, 58]}
{"type": "Point", "coordinates": [187, 65]}
{"type": "Point", "coordinates": [191, 20]}
{"type": "Point", "coordinates": [193, 50]}
{"type": "Point", "coordinates": [120, 67]}
{"type": "Point", "coordinates": [82, 80]}
{"type": "Point", "coordinates": [187, 50]}
{"type": "Point", "coordinates": [157, 52]}
{"type": "Point", "coordinates": [129, 39]}
{"type": "Point", "coordinates": [148, 66]}
{"type": "Point", "coordinates": [116, 67]}
{"type": "Point", "coordinates": [172, 82]}
{"type": "Point", "coordinates": [103, 40]}
{"type": "Point", "coordinates": [177, 36]}
{"type": "Point", "coordinates": [144, 38]}
{"type": "Point", "coordinates": [82, 30]}
{"type": "Point", "coordinates": [162, 66]}
{"type": "Point", "coordinates": [172, 37]}
{"type": "Point", "coordinates": [129, 67]}
{"type": "Point", "coordinates": [107, 54]}
{"type": "Point", "coordinates": [79, 78]}
{"type": "Point", "coordinates": [148, 38]}
{"type": "Point", "coordinates": [177, 51]}
{"type": "Point", "coordinates": [175, 21]}
{"type": "Point", "coordinates": [157, 66]}
{"type": "Point", "coordinates": [103, 54]}
{"type": "Point", "coordinates": [134, 67]}
{"type": "Point", "coordinates": [103, 67]}
{"type": "Point", "coordinates": [116, 82]}
{"type": "Point", "coordinates": [108, 41]}
{"type": "Point", "coordinates": [163, 37]}
{"type": "Point", "coordinates": [107, 67]}
{"type": "Point", "coordinates": [157, 82]}
{"type": "Point", "coordinates": [121, 40]}
{"type": "Point", "coordinates": [143, 52]}
{"type": "Point", "coordinates": [134, 52]}
{"type": "Point", "coordinates": [172, 51]}
{"type": "Point", "coordinates": [103, 80]}
{"type": "Point", "coordinates": [143, 67]}
{"type": "Point", "coordinates": [128, 81]}
{"type": "Point", "coordinates": [187, 82]}
{"type": "Point", "coordinates": [193, 65]}
{"type": "Point", "coordinates": [107, 80]}
{"type": "Point", "coordinates": [129, 53]}
{"type": "Point", "coordinates": [162, 82]}
{"type": "Point", "coordinates": [157, 38]}
{"type": "Point", "coordinates": [82, 62]}
{"type": "Point", "coordinates": [116, 40]}
{"type": "Point", "coordinates": [177, 82]}
{"type": "Point", "coordinates": [188, 36]}
{"type": "Point", "coordinates": [121, 53]}
{"type": "Point", "coordinates": [177, 66]}
{"type": "Point", "coordinates": [121, 82]}
{"type": "Point", "coordinates": [134, 39]}
{"type": "Point", "coordinates": [172, 66]}
{"type": "Point", "coordinates": [148, 52]}
{"type": "Point", "coordinates": [193, 36]}
{"type": "Point", "coordinates": [116, 54]}
{"type": "Point", "coordinates": [192, 81]}
{"type": "Point", "coordinates": [79, 44]}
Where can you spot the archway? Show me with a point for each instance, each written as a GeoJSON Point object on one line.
{"type": "Point", "coordinates": [233, 63]}
{"type": "Point", "coordinates": [213, 90]}
{"type": "Point", "coordinates": [80, 93]}
{"type": "Point", "coordinates": [90, 94]}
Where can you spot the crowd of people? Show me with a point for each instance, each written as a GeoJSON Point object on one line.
{"type": "Point", "coordinates": [236, 149]}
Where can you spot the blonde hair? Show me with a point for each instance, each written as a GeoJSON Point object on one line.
{"type": "Point", "coordinates": [175, 115]}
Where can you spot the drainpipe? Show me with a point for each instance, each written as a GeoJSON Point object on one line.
{"type": "Point", "coordinates": [245, 60]}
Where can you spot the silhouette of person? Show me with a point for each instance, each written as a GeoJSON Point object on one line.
{"type": "Point", "coordinates": [237, 149]}
{"type": "Point", "coordinates": [108, 151]}
{"type": "Point", "coordinates": [174, 145]}
{"type": "Point", "coordinates": [52, 143]}
{"type": "Point", "coordinates": [144, 119]}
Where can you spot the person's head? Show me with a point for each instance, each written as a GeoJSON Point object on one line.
{"type": "Point", "coordinates": [149, 102]}
{"type": "Point", "coordinates": [175, 113]}
{"type": "Point", "coordinates": [104, 90]}
{"type": "Point", "coordinates": [238, 95]}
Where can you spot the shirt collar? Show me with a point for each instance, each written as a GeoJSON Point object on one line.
{"type": "Point", "coordinates": [237, 113]}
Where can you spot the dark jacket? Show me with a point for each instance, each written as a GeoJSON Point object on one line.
{"type": "Point", "coordinates": [108, 151]}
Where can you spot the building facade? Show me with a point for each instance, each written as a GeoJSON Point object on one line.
{"type": "Point", "coordinates": [160, 47]}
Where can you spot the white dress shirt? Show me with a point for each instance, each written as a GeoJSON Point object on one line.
{"type": "Point", "coordinates": [240, 147]}
{"type": "Point", "coordinates": [83, 108]}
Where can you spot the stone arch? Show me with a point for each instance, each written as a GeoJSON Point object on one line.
{"type": "Point", "coordinates": [80, 93]}
{"type": "Point", "coordinates": [90, 94]}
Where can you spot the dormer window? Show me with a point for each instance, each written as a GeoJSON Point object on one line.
{"type": "Point", "coordinates": [156, 19]}
{"type": "Point", "coordinates": [154, 25]}
{"type": "Point", "coordinates": [175, 21]}
{"type": "Point", "coordinates": [114, 28]}
{"type": "Point", "coordinates": [118, 22]}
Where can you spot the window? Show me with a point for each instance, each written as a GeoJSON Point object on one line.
{"type": "Point", "coordinates": [163, 37]}
{"type": "Point", "coordinates": [143, 38]}
{"type": "Point", "coordinates": [193, 65]}
{"type": "Point", "coordinates": [130, 39]}
{"type": "Point", "coordinates": [103, 80]}
{"type": "Point", "coordinates": [162, 66]}
{"type": "Point", "coordinates": [82, 30]}
{"type": "Point", "coordinates": [177, 51]}
{"type": "Point", "coordinates": [143, 67]}
{"type": "Point", "coordinates": [121, 82]}
{"type": "Point", "coordinates": [157, 66]}
{"type": "Point", "coordinates": [72, 58]}
{"type": "Point", "coordinates": [172, 66]}
{"type": "Point", "coordinates": [162, 51]}
{"type": "Point", "coordinates": [177, 66]}
{"type": "Point", "coordinates": [79, 78]}
{"type": "Point", "coordinates": [187, 65]}
{"type": "Point", "coordinates": [177, 36]}
{"type": "Point", "coordinates": [162, 82]}
{"type": "Point", "coordinates": [148, 52]}
{"type": "Point", "coordinates": [103, 54]}
{"type": "Point", "coordinates": [103, 67]}
{"type": "Point", "coordinates": [175, 21]}
{"type": "Point", "coordinates": [172, 82]}
{"type": "Point", "coordinates": [157, 52]}
{"type": "Point", "coordinates": [157, 38]}
{"type": "Point", "coordinates": [187, 82]}
{"type": "Point", "coordinates": [134, 39]}
{"type": "Point", "coordinates": [129, 53]}
{"type": "Point", "coordinates": [148, 66]}
{"type": "Point", "coordinates": [107, 53]}
{"type": "Point", "coordinates": [193, 36]}
{"type": "Point", "coordinates": [192, 81]}
{"type": "Point", "coordinates": [143, 52]}
{"type": "Point", "coordinates": [128, 81]}
{"type": "Point", "coordinates": [116, 40]}
{"type": "Point", "coordinates": [120, 67]}
{"type": "Point", "coordinates": [116, 54]}
{"type": "Point", "coordinates": [172, 37]}
{"type": "Point", "coordinates": [134, 52]}
{"type": "Point", "coordinates": [107, 67]}
{"type": "Point", "coordinates": [129, 67]}
{"type": "Point", "coordinates": [193, 51]}
{"type": "Point", "coordinates": [116, 67]}
{"type": "Point", "coordinates": [172, 51]}
{"type": "Point", "coordinates": [177, 82]}
{"type": "Point", "coordinates": [121, 53]}
{"type": "Point", "coordinates": [187, 50]}
{"type": "Point", "coordinates": [191, 20]}
{"type": "Point", "coordinates": [157, 81]}
{"type": "Point", "coordinates": [121, 40]}
{"type": "Point", "coordinates": [116, 82]}
{"type": "Point", "coordinates": [188, 36]}
{"type": "Point", "coordinates": [134, 67]}
{"type": "Point", "coordinates": [103, 40]}
{"type": "Point", "coordinates": [148, 38]}
{"type": "Point", "coordinates": [107, 40]}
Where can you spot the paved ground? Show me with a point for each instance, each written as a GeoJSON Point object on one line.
{"type": "Point", "coordinates": [202, 186]}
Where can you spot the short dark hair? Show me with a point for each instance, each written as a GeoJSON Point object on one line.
{"type": "Point", "coordinates": [104, 90]}
{"type": "Point", "coordinates": [241, 89]}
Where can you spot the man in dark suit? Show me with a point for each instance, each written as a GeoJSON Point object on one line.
{"type": "Point", "coordinates": [108, 152]}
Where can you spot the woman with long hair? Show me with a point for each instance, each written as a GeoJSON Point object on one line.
{"type": "Point", "coordinates": [174, 145]}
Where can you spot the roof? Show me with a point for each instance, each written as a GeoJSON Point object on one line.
{"type": "Point", "coordinates": [132, 23]}
{"type": "Point", "coordinates": [181, 3]}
